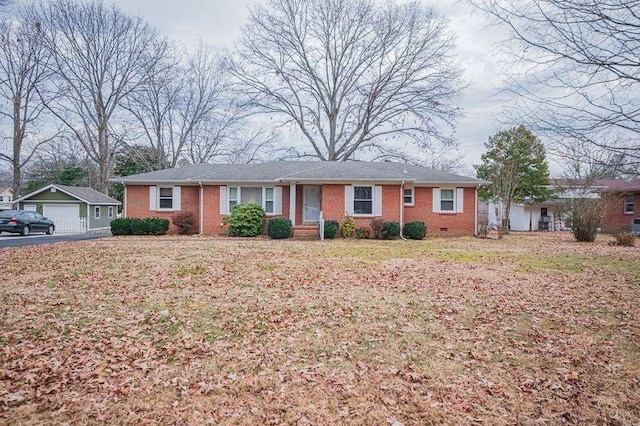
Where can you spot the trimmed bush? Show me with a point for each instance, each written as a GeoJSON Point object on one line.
{"type": "Point", "coordinates": [390, 230]}
{"type": "Point", "coordinates": [415, 230]}
{"type": "Point", "coordinates": [331, 229]}
{"type": "Point", "coordinates": [246, 220]}
{"type": "Point", "coordinates": [362, 233]}
{"type": "Point", "coordinates": [376, 228]}
{"type": "Point", "coordinates": [184, 221]}
{"type": "Point", "coordinates": [135, 226]}
{"type": "Point", "coordinates": [348, 226]}
{"type": "Point", "coordinates": [279, 228]}
{"type": "Point", "coordinates": [120, 226]}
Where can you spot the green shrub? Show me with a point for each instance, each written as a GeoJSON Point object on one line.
{"type": "Point", "coordinates": [136, 226]}
{"type": "Point", "coordinates": [376, 227]}
{"type": "Point", "coordinates": [246, 220]}
{"type": "Point", "coordinates": [415, 230]}
{"type": "Point", "coordinates": [348, 226]}
{"type": "Point", "coordinates": [362, 233]}
{"type": "Point", "coordinates": [121, 226]}
{"type": "Point", "coordinates": [624, 239]}
{"type": "Point", "coordinates": [278, 228]}
{"type": "Point", "coordinates": [185, 221]}
{"type": "Point", "coordinates": [156, 226]}
{"type": "Point", "coordinates": [390, 230]}
{"type": "Point", "coordinates": [331, 229]}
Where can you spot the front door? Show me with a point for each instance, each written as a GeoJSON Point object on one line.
{"type": "Point", "coordinates": [310, 203]}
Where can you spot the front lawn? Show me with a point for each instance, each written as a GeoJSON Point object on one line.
{"type": "Point", "coordinates": [532, 329]}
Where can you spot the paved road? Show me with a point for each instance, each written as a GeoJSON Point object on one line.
{"type": "Point", "coordinates": [15, 240]}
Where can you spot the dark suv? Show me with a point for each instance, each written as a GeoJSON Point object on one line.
{"type": "Point", "coordinates": [25, 222]}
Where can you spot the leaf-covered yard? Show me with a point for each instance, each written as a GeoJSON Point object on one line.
{"type": "Point", "coordinates": [533, 329]}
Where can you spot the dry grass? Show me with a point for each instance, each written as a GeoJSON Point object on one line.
{"type": "Point", "coordinates": [533, 329]}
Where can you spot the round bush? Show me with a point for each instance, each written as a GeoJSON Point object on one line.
{"type": "Point", "coordinates": [246, 220]}
{"type": "Point", "coordinates": [278, 228]}
{"type": "Point", "coordinates": [390, 230]}
{"type": "Point", "coordinates": [331, 229]}
{"type": "Point", "coordinates": [415, 230]}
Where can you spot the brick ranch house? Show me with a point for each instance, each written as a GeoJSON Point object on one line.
{"type": "Point", "coordinates": [301, 191]}
{"type": "Point", "coordinates": [624, 210]}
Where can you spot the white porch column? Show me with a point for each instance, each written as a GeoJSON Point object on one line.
{"type": "Point", "coordinates": [292, 203]}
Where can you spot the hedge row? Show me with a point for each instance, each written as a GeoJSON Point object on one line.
{"type": "Point", "coordinates": [135, 226]}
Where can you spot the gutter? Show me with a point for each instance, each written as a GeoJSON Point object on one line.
{"type": "Point", "coordinates": [475, 219]}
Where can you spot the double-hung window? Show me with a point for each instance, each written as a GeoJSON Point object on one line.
{"type": "Point", "coordinates": [110, 212]}
{"type": "Point", "coordinates": [628, 204]}
{"type": "Point", "coordinates": [408, 197]}
{"type": "Point", "coordinates": [363, 200]}
{"type": "Point", "coordinates": [165, 198]}
{"type": "Point", "coordinates": [268, 200]}
{"type": "Point", "coordinates": [447, 200]}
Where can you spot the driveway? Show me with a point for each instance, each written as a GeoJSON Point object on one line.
{"type": "Point", "coordinates": [15, 240]}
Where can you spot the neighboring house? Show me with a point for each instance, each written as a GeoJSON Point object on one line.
{"type": "Point", "coordinates": [302, 191]}
{"type": "Point", "coordinates": [72, 208]}
{"type": "Point", "coordinates": [550, 215]}
{"type": "Point", "coordinates": [6, 198]}
{"type": "Point", "coordinates": [623, 211]}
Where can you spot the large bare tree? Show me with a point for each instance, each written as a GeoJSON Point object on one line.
{"type": "Point", "coordinates": [187, 111]}
{"type": "Point", "coordinates": [575, 69]}
{"type": "Point", "coordinates": [351, 75]}
{"type": "Point", "coordinates": [100, 56]}
{"type": "Point", "coordinates": [24, 72]}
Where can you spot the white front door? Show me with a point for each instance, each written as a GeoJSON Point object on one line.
{"type": "Point", "coordinates": [311, 203]}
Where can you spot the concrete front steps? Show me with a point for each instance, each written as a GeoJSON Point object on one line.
{"type": "Point", "coordinates": [306, 232]}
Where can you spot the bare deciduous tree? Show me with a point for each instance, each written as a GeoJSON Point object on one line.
{"type": "Point", "coordinates": [24, 72]}
{"type": "Point", "coordinates": [100, 56]}
{"type": "Point", "coordinates": [576, 69]}
{"type": "Point", "coordinates": [351, 75]}
{"type": "Point", "coordinates": [187, 111]}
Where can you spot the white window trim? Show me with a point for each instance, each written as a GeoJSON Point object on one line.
{"type": "Point", "coordinates": [413, 196]}
{"type": "Point", "coordinates": [110, 212]}
{"type": "Point", "coordinates": [453, 199]}
{"type": "Point", "coordinates": [167, 209]}
{"type": "Point", "coordinates": [96, 212]}
{"type": "Point", "coordinates": [372, 201]}
{"type": "Point", "coordinates": [154, 198]}
{"type": "Point", "coordinates": [276, 200]}
{"type": "Point", "coordinates": [627, 203]}
{"type": "Point", "coordinates": [458, 200]}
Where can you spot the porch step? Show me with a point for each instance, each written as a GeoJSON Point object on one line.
{"type": "Point", "coordinates": [306, 232]}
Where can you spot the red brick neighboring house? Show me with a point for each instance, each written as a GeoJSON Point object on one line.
{"type": "Point", "coordinates": [624, 210]}
{"type": "Point", "coordinates": [301, 191]}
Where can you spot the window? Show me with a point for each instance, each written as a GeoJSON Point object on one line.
{"type": "Point", "coordinates": [110, 212]}
{"type": "Point", "coordinates": [408, 197]}
{"type": "Point", "coordinates": [262, 196]}
{"type": "Point", "coordinates": [447, 200]}
{"type": "Point", "coordinates": [96, 213]}
{"type": "Point", "coordinates": [628, 204]}
{"type": "Point", "coordinates": [268, 200]}
{"type": "Point", "coordinates": [233, 198]}
{"type": "Point", "coordinates": [166, 198]}
{"type": "Point", "coordinates": [363, 200]}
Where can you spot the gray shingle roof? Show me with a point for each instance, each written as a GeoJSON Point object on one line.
{"type": "Point", "coordinates": [88, 194]}
{"type": "Point", "coordinates": [295, 171]}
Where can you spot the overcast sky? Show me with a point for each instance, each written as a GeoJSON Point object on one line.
{"type": "Point", "coordinates": [219, 22]}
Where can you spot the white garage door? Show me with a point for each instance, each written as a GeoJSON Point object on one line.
{"type": "Point", "coordinates": [65, 217]}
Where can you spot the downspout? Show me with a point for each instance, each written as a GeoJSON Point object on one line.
{"type": "Point", "coordinates": [124, 201]}
{"type": "Point", "coordinates": [475, 219]}
{"type": "Point", "coordinates": [201, 209]}
{"type": "Point", "coordinates": [402, 210]}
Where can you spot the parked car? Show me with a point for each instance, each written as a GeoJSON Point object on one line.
{"type": "Point", "coordinates": [25, 222]}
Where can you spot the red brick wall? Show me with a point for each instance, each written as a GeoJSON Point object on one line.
{"type": "Point", "coordinates": [455, 223]}
{"type": "Point", "coordinates": [138, 204]}
{"type": "Point", "coordinates": [614, 218]}
{"type": "Point", "coordinates": [332, 205]}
